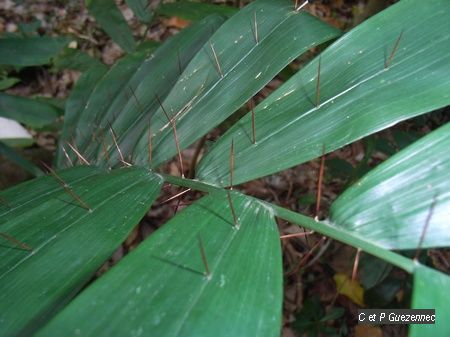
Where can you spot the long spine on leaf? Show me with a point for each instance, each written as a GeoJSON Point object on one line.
{"type": "Point", "coordinates": [204, 259]}
{"type": "Point", "coordinates": [233, 212]}
{"type": "Point", "coordinates": [320, 182]}
{"type": "Point", "coordinates": [198, 150]}
{"type": "Point", "coordinates": [388, 62]}
{"type": "Point", "coordinates": [219, 68]}
{"type": "Point", "coordinates": [175, 196]}
{"type": "Point", "coordinates": [104, 148]}
{"type": "Point", "coordinates": [180, 69]}
{"type": "Point", "coordinates": [425, 227]}
{"type": "Point", "coordinates": [78, 154]}
{"type": "Point", "coordinates": [15, 241]}
{"type": "Point", "coordinates": [67, 155]}
{"type": "Point", "coordinates": [231, 164]}
{"type": "Point", "coordinates": [176, 207]}
{"type": "Point", "coordinates": [318, 84]}
{"type": "Point", "coordinates": [355, 264]}
{"type": "Point", "coordinates": [67, 189]}
{"type": "Point", "coordinates": [175, 135]}
{"type": "Point", "coordinates": [306, 257]}
{"type": "Point", "coordinates": [114, 138]}
{"type": "Point", "coordinates": [252, 107]}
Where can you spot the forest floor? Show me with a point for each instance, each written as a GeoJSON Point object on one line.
{"type": "Point", "coordinates": [311, 291]}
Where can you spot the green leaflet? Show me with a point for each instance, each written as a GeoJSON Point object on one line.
{"type": "Point", "coordinates": [31, 112]}
{"type": "Point", "coordinates": [9, 153]}
{"type": "Point", "coordinates": [75, 59]}
{"type": "Point", "coordinates": [125, 96]}
{"type": "Point", "coordinates": [109, 17]}
{"type": "Point", "coordinates": [358, 95]}
{"type": "Point", "coordinates": [30, 51]}
{"type": "Point", "coordinates": [194, 11]}
{"type": "Point", "coordinates": [431, 292]}
{"type": "Point", "coordinates": [390, 205]}
{"type": "Point", "coordinates": [68, 242]}
{"type": "Point", "coordinates": [248, 56]}
{"type": "Point", "coordinates": [160, 288]}
{"type": "Point", "coordinates": [77, 102]}
{"type": "Point", "coordinates": [8, 82]}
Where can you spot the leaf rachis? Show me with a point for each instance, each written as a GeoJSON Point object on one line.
{"type": "Point", "coordinates": [296, 235]}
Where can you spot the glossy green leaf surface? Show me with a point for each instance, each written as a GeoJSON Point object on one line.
{"type": "Point", "coordinates": [31, 112]}
{"type": "Point", "coordinates": [323, 227]}
{"type": "Point", "coordinates": [125, 96]}
{"type": "Point", "coordinates": [393, 203]}
{"type": "Point", "coordinates": [8, 82]}
{"type": "Point", "coordinates": [431, 292]}
{"type": "Point", "coordinates": [109, 17]}
{"type": "Point", "coordinates": [89, 102]}
{"type": "Point", "coordinates": [160, 289]}
{"type": "Point", "coordinates": [358, 95]}
{"type": "Point", "coordinates": [75, 104]}
{"type": "Point", "coordinates": [69, 243]}
{"type": "Point", "coordinates": [233, 66]}
{"type": "Point", "coordinates": [30, 51]}
{"type": "Point", "coordinates": [194, 11]}
{"type": "Point", "coordinates": [142, 10]}
{"type": "Point", "coordinates": [10, 154]}
{"type": "Point", "coordinates": [75, 59]}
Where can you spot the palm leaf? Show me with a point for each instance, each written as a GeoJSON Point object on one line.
{"type": "Point", "coordinates": [124, 98]}
{"type": "Point", "coordinates": [390, 68]}
{"type": "Point", "coordinates": [245, 53]}
{"type": "Point", "coordinates": [30, 51]}
{"type": "Point", "coordinates": [52, 245]}
{"type": "Point", "coordinates": [404, 198]}
{"type": "Point", "coordinates": [161, 288]}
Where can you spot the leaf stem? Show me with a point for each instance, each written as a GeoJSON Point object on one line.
{"type": "Point", "coordinates": [334, 232]}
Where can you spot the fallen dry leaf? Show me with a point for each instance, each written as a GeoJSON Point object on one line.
{"type": "Point", "coordinates": [349, 288]}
